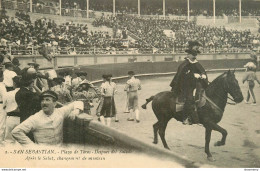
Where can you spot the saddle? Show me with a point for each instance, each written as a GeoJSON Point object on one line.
{"type": "Point", "coordinates": [199, 103]}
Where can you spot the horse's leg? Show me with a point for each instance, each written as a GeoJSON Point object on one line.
{"type": "Point", "coordinates": [155, 131]}
{"type": "Point", "coordinates": [224, 133]}
{"type": "Point", "coordinates": [207, 141]}
{"type": "Point", "coordinates": [162, 128]}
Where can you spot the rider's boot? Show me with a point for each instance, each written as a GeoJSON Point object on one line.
{"type": "Point", "coordinates": [187, 110]}
{"type": "Point", "coordinates": [195, 117]}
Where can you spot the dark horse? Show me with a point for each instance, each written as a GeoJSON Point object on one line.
{"type": "Point", "coordinates": [164, 107]}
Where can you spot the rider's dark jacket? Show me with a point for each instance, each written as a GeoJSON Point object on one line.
{"type": "Point", "coordinates": [184, 77]}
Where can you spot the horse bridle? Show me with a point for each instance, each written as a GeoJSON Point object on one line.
{"type": "Point", "coordinates": [228, 96]}
{"type": "Point", "coordinates": [225, 89]}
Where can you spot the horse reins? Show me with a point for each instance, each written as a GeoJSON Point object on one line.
{"type": "Point", "coordinates": [223, 98]}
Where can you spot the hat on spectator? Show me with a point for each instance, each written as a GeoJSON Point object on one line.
{"type": "Point", "coordinates": [106, 76]}
{"type": "Point", "coordinates": [27, 76]}
{"type": "Point", "coordinates": [16, 62]}
{"type": "Point", "coordinates": [8, 64]}
{"type": "Point", "coordinates": [131, 73]}
{"type": "Point", "coordinates": [87, 83]}
{"type": "Point", "coordinates": [58, 79]}
{"type": "Point", "coordinates": [49, 93]}
{"type": "Point", "coordinates": [34, 64]}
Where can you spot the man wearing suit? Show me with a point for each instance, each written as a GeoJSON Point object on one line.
{"type": "Point", "coordinates": [27, 101]}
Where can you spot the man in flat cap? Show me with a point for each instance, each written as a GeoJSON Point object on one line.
{"type": "Point", "coordinates": [190, 75]}
{"type": "Point", "coordinates": [47, 124]}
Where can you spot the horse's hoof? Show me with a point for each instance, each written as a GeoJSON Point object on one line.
{"type": "Point", "coordinates": [167, 148]}
{"type": "Point", "coordinates": [155, 142]}
{"type": "Point", "coordinates": [211, 159]}
{"type": "Point", "coordinates": [219, 143]}
{"type": "Point", "coordinates": [143, 106]}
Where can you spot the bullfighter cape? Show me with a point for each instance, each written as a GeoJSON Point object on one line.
{"type": "Point", "coordinates": [185, 76]}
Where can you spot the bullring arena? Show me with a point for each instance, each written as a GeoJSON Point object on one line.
{"type": "Point", "coordinates": [87, 38]}
{"type": "Point", "coordinates": [241, 122]}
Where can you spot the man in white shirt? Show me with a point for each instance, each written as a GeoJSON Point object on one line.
{"type": "Point", "coordinates": [2, 112]}
{"type": "Point", "coordinates": [47, 124]}
{"type": "Point", "coordinates": [8, 76]}
{"type": "Point", "coordinates": [11, 108]}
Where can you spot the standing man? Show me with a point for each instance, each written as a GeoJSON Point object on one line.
{"type": "Point", "coordinates": [47, 124]}
{"type": "Point", "coordinates": [40, 77]}
{"type": "Point", "coordinates": [27, 100]}
{"type": "Point", "coordinates": [8, 76]}
{"type": "Point", "coordinates": [108, 109]}
{"type": "Point", "coordinates": [131, 87]}
{"type": "Point", "coordinates": [16, 68]}
{"type": "Point", "coordinates": [190, 75]}
{"type": "Point", "coordinates": [12, 110]}
{"type": "Point", "coordinates": [2, 112]}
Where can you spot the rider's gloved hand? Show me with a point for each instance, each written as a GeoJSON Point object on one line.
{"type": "Point", "coordinates": [197, 75]}
{"type": "Point", "coordinates": [203, 76]}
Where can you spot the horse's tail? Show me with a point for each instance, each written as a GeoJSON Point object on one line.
{"type": "Point", "coordinates": [147, 101]}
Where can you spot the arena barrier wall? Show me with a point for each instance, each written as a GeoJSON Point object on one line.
{"type": "Point", "coordinates": [118, 70]}
{"type": "Point", "coordinates": [61, 61]}
{"type": "Point", "coordinates": [85, 131]}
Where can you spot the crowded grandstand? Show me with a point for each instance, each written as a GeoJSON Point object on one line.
{"type": "Point", "coordinates": [125, 32]}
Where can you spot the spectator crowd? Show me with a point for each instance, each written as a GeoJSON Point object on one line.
{"type": "Point", "coordinates": [25, 37]}
{"type": "Point", "coordinates": [150, 33]}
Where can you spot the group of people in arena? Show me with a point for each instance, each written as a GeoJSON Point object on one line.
{"type": "Point", "coordinates": [34, 103]}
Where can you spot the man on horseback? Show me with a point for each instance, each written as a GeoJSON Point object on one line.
{"type": "Point", "coordinates": [190, 76]}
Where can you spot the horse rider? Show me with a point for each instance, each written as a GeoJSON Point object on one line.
{"type": "Point", "coordinates": [190, 76]}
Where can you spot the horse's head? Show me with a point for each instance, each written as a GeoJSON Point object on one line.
{"type": "Point", "coordinates": [232, 87]}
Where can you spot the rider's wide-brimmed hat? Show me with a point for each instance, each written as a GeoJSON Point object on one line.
{"type": "Point", "coordinates": [190, 49]}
